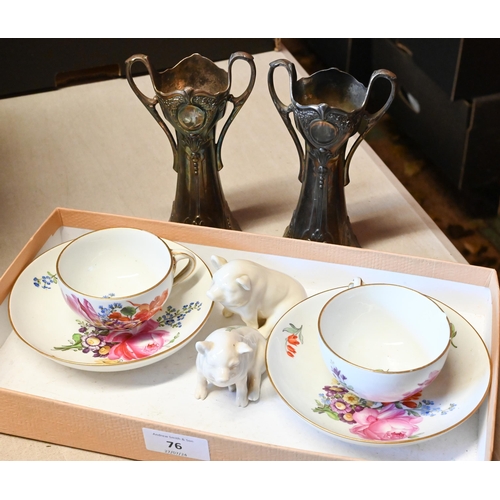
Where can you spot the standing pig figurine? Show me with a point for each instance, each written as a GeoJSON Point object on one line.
{"type": "Point", "coordinates": [231, 357]}
{"type": "Point", "coordinates": [258, 294]}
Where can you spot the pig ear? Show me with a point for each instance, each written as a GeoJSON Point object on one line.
{"type": "Point", "coordinates": [244, 282]}
{"type": "Point", "coordinates": [217, 261]}
{"type": "Point", "coordinates": [242, 347]}
{"type": "Point", "coordinates": [204, 347]}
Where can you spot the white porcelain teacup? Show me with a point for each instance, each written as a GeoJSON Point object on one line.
{"type": "Point", "coordinates": [383, 342]}
{"type": "Point", "coordinates": [118, 278]}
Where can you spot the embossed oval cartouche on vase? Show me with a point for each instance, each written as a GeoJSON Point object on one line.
{"type": "Point", "coordinates": [328, 107]}
{"type": "Point", "coordinates": [193, 96]}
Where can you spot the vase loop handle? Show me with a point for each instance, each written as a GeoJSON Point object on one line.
{"type": "Point", "coordinates": [370, 119]}
{"type": "Point", "coordinates": [149, 102]}
{"type": "Point", "coordinates": [237, 101]}
{"type": "Point", "coordinates": [283, 110]}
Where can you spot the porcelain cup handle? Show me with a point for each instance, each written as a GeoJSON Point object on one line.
{"type": "Point", "coordinates": [355, 282]}
{"type": "Point", "coordinates": [187, 270]}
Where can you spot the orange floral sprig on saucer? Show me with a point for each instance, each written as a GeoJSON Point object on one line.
{"type": "Point", "coordinates": [293, 340]}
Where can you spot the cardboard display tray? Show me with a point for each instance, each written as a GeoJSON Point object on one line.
{"type": "Point", "coordinates": [121, 413]}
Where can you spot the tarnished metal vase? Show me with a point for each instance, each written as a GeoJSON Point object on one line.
{"type": "Point", "coordinates": [328, 108]}
{"type": "Point", "coordinates": [193, 96]}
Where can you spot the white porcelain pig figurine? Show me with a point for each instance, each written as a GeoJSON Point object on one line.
{"type": "Point", "coordinates": [231, 357]}
{"type": "Point", "coordinates": [258, 294]}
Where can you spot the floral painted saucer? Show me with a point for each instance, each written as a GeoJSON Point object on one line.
{"type": "Point", "coordinates": [42, 319]}
{"type": "Point", "coordinates": [323, 399]}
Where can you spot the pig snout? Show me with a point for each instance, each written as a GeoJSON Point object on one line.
{"type": "Point", "coordinates": [220, 376]}
{"type": "Point", "coordinates": [214, 293]}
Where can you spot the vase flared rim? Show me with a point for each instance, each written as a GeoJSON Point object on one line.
{"type": "Point", "coordinates": [194, 72]}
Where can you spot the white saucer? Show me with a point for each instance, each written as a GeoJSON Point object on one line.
{"type": "Point", "coordinates": [41, 318]}
{"type": "Point", "coordinates": [301, 378]}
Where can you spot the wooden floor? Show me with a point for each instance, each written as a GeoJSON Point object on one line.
{"type": "Point", "coordinates": [478, 240]}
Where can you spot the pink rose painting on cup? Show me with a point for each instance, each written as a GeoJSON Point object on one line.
{"type": "Point", "coordinates": [375, 421]}
{"type": "Point", "coordinates": [385, 424]}
{"type": "Point", "coordinates": [121, 331]}
{"type": "Point", "coordinates": [129, 344]}
{"type": "Point", "coordinates": [126, 315]}
{"type": "Point", "coordinates": [145, 342]}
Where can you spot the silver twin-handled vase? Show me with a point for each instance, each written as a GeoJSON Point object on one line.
{"type": "Point", "coordinates": [193, 96]}
{"type": "Point", "coordinates": [328, 108]}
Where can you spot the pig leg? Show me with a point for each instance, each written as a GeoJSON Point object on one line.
{"type": "Point", "coordinates": [270, 323]}
{"type": "Point", "coordinates": [255, 375]}
{"type": "Point", "coordinates": [201, 391]}
{"type": "Point", "coordinates": [227, 313]}
{"type": "Point", "coordinates": [242, 392]}
{"type": "Point", "coordinates": [254, 381]}
{"type": "Point", "coordinates": [251, 321]}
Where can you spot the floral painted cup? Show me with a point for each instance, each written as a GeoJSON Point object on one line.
{"type": "Point", "coordinates": [384, 342]}
{"type": "Point", "coordinates": [119, 278]}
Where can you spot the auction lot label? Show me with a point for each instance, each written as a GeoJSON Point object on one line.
{"type": "Point", "coordinates": [176, 444]}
